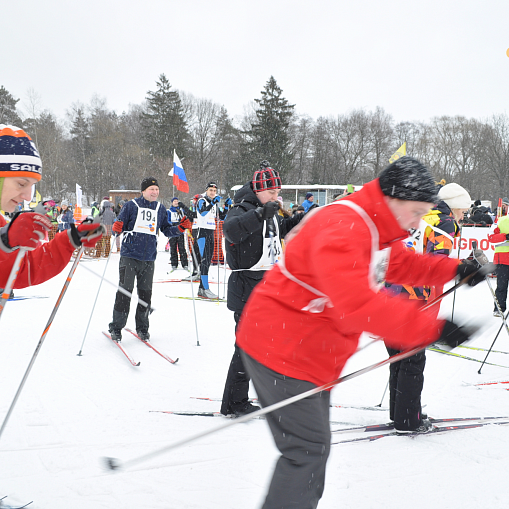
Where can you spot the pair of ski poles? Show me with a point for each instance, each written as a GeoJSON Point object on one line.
{"type": "Point", "coordinates": [115, 464]}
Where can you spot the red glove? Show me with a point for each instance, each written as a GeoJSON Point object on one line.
{"type": "Point", "coordinates": [27, 229]}
{"type": "Point", "coordinates": [117, 227]}
{"type": "Point", "coordinates": [184, 224]}
{"type": "Point", "coordinates": [86, 234]}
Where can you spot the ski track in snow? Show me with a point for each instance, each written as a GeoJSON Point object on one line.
{"type": "Point", "coordinates": [75, 410]}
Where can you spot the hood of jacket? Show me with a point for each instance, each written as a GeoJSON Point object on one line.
{"type": "Point", "coordinates": [246, 194]}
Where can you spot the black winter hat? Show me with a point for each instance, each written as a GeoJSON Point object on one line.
{"type": "Point", "coordinates": [408, 179]}
{"type": "Point", "coordinates": [147, 182]}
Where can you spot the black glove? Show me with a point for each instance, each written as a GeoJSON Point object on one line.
{"type": "Point", "coordinates": [467, 268]}
{"type": "Point", "coordinates": [452, 335]}
{"type": "Point", "coordinates": [268, 211]}
{"type": "Point", "coordinates": [181, 205]}
{"type": "Point", "coordinates": [507, 236]}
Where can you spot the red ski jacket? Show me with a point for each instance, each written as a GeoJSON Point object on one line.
{"type": "Point", "coordinates": [304, 319]}
{"type": "Point", "coordinates": [38, 265]}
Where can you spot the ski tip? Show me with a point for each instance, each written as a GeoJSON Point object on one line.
{"type": "Point", "coordinates": [138, 364]}
{"type": "Point", "coordinates": [112, 463]}
{"type": "Point", "coordinates": [175, 361]}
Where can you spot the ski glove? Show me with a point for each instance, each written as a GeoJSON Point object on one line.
{"type": "Point", "coordinates": [184, 224]}
{"type": "Point", "coordinates": [468, 268]}
{"type": "Point", "coordinates": [117, 227]}
{"type": "Point", "coordinates": [228, 203]}
{"type": "Point", "coordinates": [268, 211]}
{"type": "Point", "coordinates": [216, 199]}
{"type": "Point", "coordinates": [27, 230]}
{"type": "Point", "coordinates": [86, 234]}
{"type": "Point", "coordinates": [452, 335]}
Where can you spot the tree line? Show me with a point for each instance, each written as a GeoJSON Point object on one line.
{"type": "Point", "coordinates": [102, 150]}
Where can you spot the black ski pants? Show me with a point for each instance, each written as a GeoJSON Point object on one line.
{"type": "Point", "coordinates": [129, 270]}
{"type": "Point", "coordinates": [302, 435]}
{"type": "Point", "coordinates": [236, 388]}
{"type": "Point", "coordinates": [177, 246]}
{"type": "Point", "coordinates": [406, 380]}
{"type": "Point", "coordinates": [502, 283]}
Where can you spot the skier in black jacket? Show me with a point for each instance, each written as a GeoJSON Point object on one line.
{"type": "Point", "coordinates": [253, 230]}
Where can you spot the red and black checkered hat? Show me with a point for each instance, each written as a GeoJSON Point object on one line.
{"type": "Point", "coordinates": [266, 178]}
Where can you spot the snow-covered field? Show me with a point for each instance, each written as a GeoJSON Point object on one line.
{"type": "Point", "coordinates": [75, 410]}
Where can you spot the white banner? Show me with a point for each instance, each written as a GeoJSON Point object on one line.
{"type": "Point", "coordinates": [78, 196]}
{"type": "Point", "coordinates": [470, 234]}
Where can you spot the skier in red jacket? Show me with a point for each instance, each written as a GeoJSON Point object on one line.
{"type": "Point", "coordinates": [303, 321]}
{"type": "Point", "coordinates": [20, 169]}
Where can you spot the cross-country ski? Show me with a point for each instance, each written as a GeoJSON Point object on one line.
{"type": "Point", "coordinates": [164, 356]}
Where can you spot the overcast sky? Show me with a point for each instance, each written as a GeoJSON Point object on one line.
{"type": "Point", "coordinates": [416, 59]}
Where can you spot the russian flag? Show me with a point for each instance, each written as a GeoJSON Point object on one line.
{"type": "Point", "coordinates": [179, 175]}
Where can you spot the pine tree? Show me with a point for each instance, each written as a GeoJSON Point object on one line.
{"type": "Point", "coordinates": [271, 131]}
{"type": "Point", "coordinates": [8, 113]}
{"type": "Point", "coordinates": [164, 121]}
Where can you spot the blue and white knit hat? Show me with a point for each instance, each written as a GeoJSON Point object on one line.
{"type": "Point", "coordinates": [18, 155]}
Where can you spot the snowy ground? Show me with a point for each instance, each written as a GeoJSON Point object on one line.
{"type": "Point", "coordinates": [75, 410]}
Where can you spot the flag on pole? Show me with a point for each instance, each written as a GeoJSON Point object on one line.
{"type": "Point", "coordinates": [179, 176]}
{"type": "Point", "coordinates": [77, 213]}
{"type": "Point", "coordinates": [399, 153]}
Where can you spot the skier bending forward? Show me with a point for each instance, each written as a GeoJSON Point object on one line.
{"type": "Point", "coordinates": [303, 322]}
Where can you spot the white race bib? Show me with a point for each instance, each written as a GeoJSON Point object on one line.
{"type": "Point", "coordinates": [146, 220]}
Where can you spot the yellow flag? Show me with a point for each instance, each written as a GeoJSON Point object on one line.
{"type": "Point", "coordinates": [37, 199]}
{"type": "Point", "coordinates": [399, 153]}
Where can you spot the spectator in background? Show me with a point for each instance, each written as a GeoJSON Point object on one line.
{"type": "Point", "coordinates": [95, 209]}
{"type": "Point", "coordinates": [65, 219]}
{"type": "Point", "coordinates": [107, 218]}
{"type": "Point", "coordinates": [177, 244]}
{"type": "Point", "coordinates": [500, 238]}
{"type": "Point", "coordinates": [52, 213]}
{"type": "Point", "coordinates": [308, 201]}
{"type": "Point", "coordinates": [193, 248]}
{"type": "Point", "coordinates": [298, 209]}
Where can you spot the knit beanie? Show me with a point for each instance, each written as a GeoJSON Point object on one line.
{"type": "Point", "coordinates": [455, 196]}
{"type": "Point", "coordinates": [18, 155]}
{"type": "Point", "coordinates": [147, 182]}
{"type": "Point", "coordinates": [408, 179]}
{"type": "Point", "coordinates": [308, 195]}
{"type": "Point", "coordinates": [505, 201]}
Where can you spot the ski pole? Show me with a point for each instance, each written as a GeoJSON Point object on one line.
{"type": "Point", "coordinates": [223, 240]}
{"type": "Point", "coordinates": [115, 464]}
{"type": "Point", "coordinates": [497, 304]}
{"type": "Point", "coordinates": [121, 290]}
{"type": "Point", "coordinates": [383, 395]}
{"type": "Point", "coordinates": [12, 278]}
{"type": "Point", "coordinates": [454, 298]}
{"type": "Point", "coordinates": [114, 237]}
{"type": "Point", "coordinates": [45, 332]}
{"type": "Point", "coordinates": [195, 261]}
{"type": "Point", "coordinates": [494, 341]}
